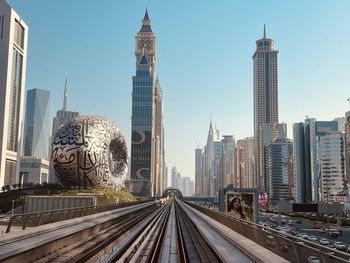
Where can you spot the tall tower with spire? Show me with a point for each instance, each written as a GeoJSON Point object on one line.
{"type": "Point", "coordinates": [62, 116]}
{"type": "Point", "coordinates": [265, 99]}
{"type": "Point", "coordinates": [65, 96]}
{"type": "Point", "coordinates": [159, 161]}
{"type": "Point", "coordinates": [145, 41]}
{"type": "Point", "coordinates": [147, 132]}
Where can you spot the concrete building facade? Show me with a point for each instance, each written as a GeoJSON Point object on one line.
{"type": "Point", "coordinates": [332, 179]}
{"type": "Point", "coordinates": [265, 98]}
{"type": "Point", "coordinates": [198, 172]}
{"type": "Point", "coordinates": [33, 170]}
{"type": "Point", "coordinates": [13, 54]}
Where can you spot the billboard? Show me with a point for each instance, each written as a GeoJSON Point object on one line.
{"type": "Point", "coordinates": [242, 204]}
{"type": "Point", "coordinates": [263, 200]}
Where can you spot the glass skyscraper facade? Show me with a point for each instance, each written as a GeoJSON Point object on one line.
{"type": "Point", "coordinates": [36, 125]}
{"type": "Point", "coordinates": [141, 128]}
{"type": "Point", "coordinates": [277, 153]}
{"type": "Point", "coordinates": [307, 159]}
{"type": "Point", "coordinates": [147, 131]}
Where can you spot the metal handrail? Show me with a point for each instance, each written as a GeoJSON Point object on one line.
{"type": "Point", "coordinates": [57, 215]}
{"type": "Point", "coordinates": [286, 246]}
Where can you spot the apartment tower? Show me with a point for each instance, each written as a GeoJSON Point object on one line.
{"type": "Point", "coordinates": [13, 60]}
{"type": "Point", "coordinates": [265, 98]}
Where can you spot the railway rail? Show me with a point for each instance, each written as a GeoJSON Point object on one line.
{"type": "Point", "coordinates": [172, 231]}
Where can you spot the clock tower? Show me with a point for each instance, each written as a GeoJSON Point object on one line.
{"type": "Point", "coordinates": [145, 41]}
{"type": "Point", "coordinates": [147, 140]}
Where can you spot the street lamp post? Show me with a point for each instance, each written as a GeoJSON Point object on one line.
{"type": "Point", "coordinates": [326, 163]}
{"type": "Point", "coordinates": [13, 206]}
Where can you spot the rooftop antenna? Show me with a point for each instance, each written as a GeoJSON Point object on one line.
{"type": "Point", "coordinates": [349, 101]}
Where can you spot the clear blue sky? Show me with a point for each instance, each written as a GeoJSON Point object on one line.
{"type": "Point", "coordinates": [204, 61]}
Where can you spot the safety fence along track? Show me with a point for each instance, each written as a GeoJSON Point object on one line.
{"type": "Point", "coordinates": [167, 231]}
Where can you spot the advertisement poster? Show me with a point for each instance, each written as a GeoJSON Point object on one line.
{"type": "Point", "coordinates": [241, 205]}
{"type": "Point", "coordinates": [263, 200]}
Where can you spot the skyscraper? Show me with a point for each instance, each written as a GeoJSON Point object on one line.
{"type": "Point", "coordinates": [332, 166]}
{"type": "Point", "coordinates": [245, 163]}
{"type": "Point", "coordinates": [147, 131]}
{"type": "Point", "coordinates": [307, 160]}
{"type": "Point", "coordinates": [277, 155]}
{"type": "Point", "coordinates": [62, 116]}
{"type": "Point", "coordinates": [228, 162]}
{"type": "Point", "coordinates": [158, 141]}
{"type": "Point", "coordinates": [198, 172]}
{"type": "Point", "coordinates": [13, 54]}
{"type": "Point", "coordinates": [173, 177]}
{"type": "Point", "coordinates": [36, 125]}
{"type": "Point", "coordinates": [347, 149]}
{"type": "Point", "coordinates": [212, 153]}
{"type": "Point", "coordinates": [265, 98]}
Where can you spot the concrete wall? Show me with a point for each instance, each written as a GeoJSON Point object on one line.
{"type": "Point", "coordinates": [44, 203]}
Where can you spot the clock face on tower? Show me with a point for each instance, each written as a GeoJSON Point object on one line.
{"type": "Point", "coordinates": [145, 43]}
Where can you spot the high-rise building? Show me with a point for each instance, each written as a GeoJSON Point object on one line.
{"type": "Point", "coordinates": [332, 177]}
{"type": "Point", "coordinates": [212, 154]}
{"type": "Point", "coordinates": [178, 181]}
{"type": "Point", "coordinates": [245, 163]}
{"type": "Point", "coordinates": [166, 173]}
{"type": "Point", "coordinates": [158, 162]}
{"type": "Point", "coordinates": [13, 54]}
{"type": "Point", "coordinates": [341, 124]}
{"type": "Point", "coordinates": [302, 172]}
{"type": "Point", "coordinates": [240, 163]}
{"type": "Point", "coordinates": [307, 163]}
{"type": "Point", "coordinates": [265, 98]}
{"type": "Point", "coordinates": [347, 149]}
{"type": "Point", "coordinates": [147, 131]}
{"type": "Point", "coordinates": [208, 171]}
{"type": "Point", "coordinates": [198, 172]}
{"type": "Point", "coordinates": [217, 168]}
{"type": "Point", "coordinates": [185, 186]}
{"type": "Point", "coordinates": [173, 177]}
{"type": "Point", "coordinates": [62, 116]}
{"type": "Point", "coordinates": [277, 155]}
{"type": "Point", "coordinates": [36, 125]}
{"type": "Point", "coordinates": [272, 131]}
{"type": "Point", "coordinates": [191, 187]}
{"type": "Point", "coordinates": [228, 162]}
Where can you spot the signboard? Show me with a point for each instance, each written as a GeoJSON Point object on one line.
{"type": "Point", "coordinates": [263, 200]}
{"type": "Point", "coordinates": [242, 204]}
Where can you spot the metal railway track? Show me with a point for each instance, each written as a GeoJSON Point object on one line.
{"type": "Point", "coordinates": [145, 243]}
{"type": "Point", "coordinates": [88, 247]}
{"type": "Point", "coordinates": [192, 245]}
{"type": "Point", "coordinates": [165, 233]}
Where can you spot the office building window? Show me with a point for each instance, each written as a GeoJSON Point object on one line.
{"type": "Point", "coordinates": [15, 97]}
{"type": "Point", "coordinates": [1, 26]}
{"type": "Point", "coordinates": [19, 34]}
{"type": "Point", "coordinates": [10, 172]}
